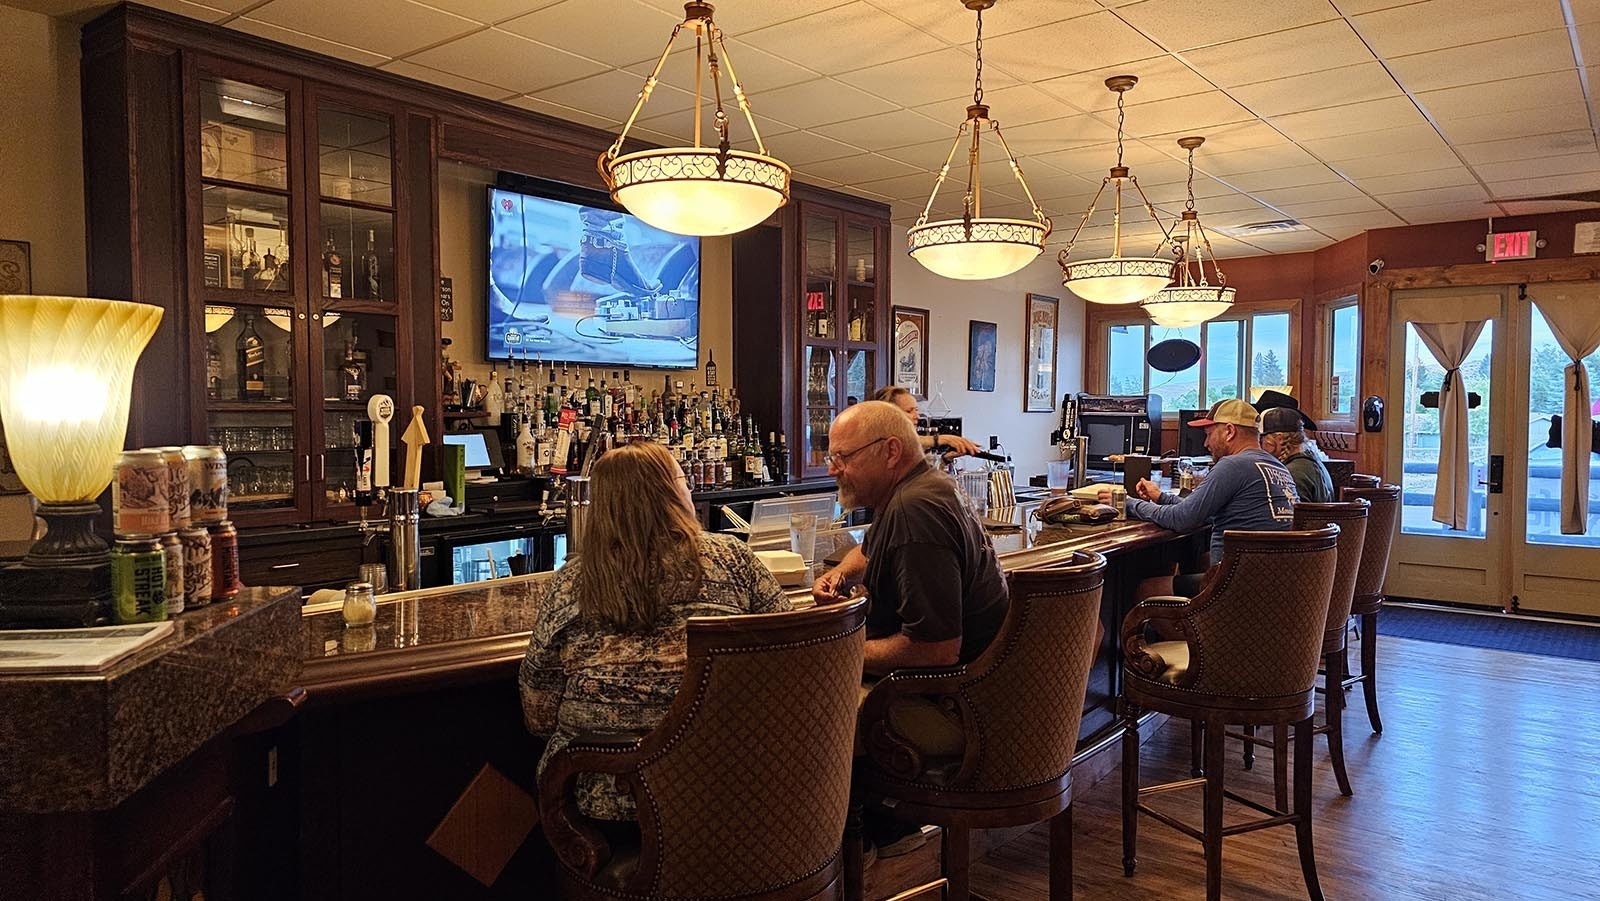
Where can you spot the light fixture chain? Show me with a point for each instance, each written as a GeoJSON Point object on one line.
{"type": "Point", "coordinates": [1120, 95]}
{"type": "Point", "coordinates": [1191, 178]}
{"type": "Point", "coordinates": [644, 96]}
{"type": "Point", "coordinates": [738, 93]}
{"type": "Point", "coordinates": [716, 88]}
{"type": "Point", "coordinates": [977, 90]}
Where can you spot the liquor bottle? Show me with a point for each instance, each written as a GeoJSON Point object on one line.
{"type": "Point", "coordinates": [371, 278]}
{"type": "Point", "coordinates": [604, 404]}
{"type": "Point", "coordinates": [857, 323]}
{"type": "Point", "coordinates": [711, 368]}
{"type": "Point", "coordinates": [780, 472]}
{"type": "Point", "coordinates": [352, 375]}
{"type": "Point", "coordinates": [733, 402]}
{"type": "Point", "coordinates": [332, 268]}
{"type": "Point", "coordinates": [250, 261]}
{"type": "Point", "coordinates": [525, 447]}
{"type": "Point", "coordinates": [494, 403]}
{"type": "Point", "coordinates": [752, 451]}
{"type": "Point", "coordinates": [252, 354]}
{"type": "Point", "coordinates": [591, 398]}
{"type": "Point", "coordinates": [213, 368]}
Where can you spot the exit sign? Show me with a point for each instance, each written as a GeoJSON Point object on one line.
{"type": "Point", "coordinates": [1511, 246]}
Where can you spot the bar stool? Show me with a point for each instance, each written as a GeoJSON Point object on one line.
{"type": "Point", "coordinates": [1251, 640]}
{"type": "Point", "coordinates": [1020, 705]}
{"type": "Point", "coordinates": [742, 788]}
{"type": "Point", "coordinates": [1382, 520]}
{"type": "Point", "coordinates": [1351, 518]}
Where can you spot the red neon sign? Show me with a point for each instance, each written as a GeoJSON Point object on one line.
{"type": "Point", "coordinates": [1511, 246]}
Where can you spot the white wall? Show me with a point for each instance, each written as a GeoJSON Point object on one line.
{"type": "Point", "coordinates": [951, 305]}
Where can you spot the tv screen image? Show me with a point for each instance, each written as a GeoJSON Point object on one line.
{"type": "Point", "coordinates": [589, 284]}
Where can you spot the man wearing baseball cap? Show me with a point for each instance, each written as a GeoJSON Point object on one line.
{"type": "Point", "coordinates": [1283, 435]}
{"type": "Point", "coordinates": [1247, 487]}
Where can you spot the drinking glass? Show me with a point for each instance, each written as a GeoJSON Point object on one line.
{"type": "Point", "coordinates": [803, 535]}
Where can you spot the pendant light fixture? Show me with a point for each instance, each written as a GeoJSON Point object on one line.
{"type": "Point", "coordinates": [975, 247]}
{"type": "Point", "coordinates": [1117, 279]}
{"type": "Point", "coordinates": [697, 190]}
{"type": "Point", "coordinates": [1193, 299]}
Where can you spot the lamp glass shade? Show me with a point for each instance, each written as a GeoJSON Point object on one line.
{"type": "Point", "coordinates": [66, 373]}
{"type": "Point", "coordinates": [1117, 280]}
{"type": "Point", "coordinates": [698, 191]}
{"type": "Point", "coordinates": [976, 249]}
{"type": "Point", "coordinates": [1186, 305]}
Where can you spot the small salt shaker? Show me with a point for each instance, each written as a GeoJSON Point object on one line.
{"type": "Point", "coordinates": [360, 606]}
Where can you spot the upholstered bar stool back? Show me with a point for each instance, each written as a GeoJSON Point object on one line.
{"type": "Point", "coordinates": [1382, 522]}
{"type": "Point", "coordinates": [1361, 480]}
{"type": "Point", "coordinates": [742, 789]}
{"type": "Point", "coordinates": [1020, 705]}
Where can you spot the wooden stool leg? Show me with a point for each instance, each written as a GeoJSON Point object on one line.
{"type": "Point", "coordinates": [1197, 731]}
{"type": "Point", "coordinates": [1250, 748]}
{"type": "Point", "coordinates": [957, 859]}
{"type": "Point", "coordinates": [854, 862]}
{"type": "Point", "coordinates": [1130, 791]}
{"type": "Point", "coordinates": [1334, 663]}
{"type": "Point", "coordinates": [1061, 856]}
{"type": "Point", "coordinates": [1213, 810]}
{"type": "Point", "coordinates": [1369, 668]}
{"type": "Point", "coordinates": [1302, 808]}
{"type": "Point", "coordinates": [1280, 766]}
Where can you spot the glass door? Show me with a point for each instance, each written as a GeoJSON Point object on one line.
{"type": "Point", "coordinates": [820, 331]}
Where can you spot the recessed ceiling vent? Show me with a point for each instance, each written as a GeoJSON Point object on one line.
{"type": "Point", "coordinates": [1274, 227]}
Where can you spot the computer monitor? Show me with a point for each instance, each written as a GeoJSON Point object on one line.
{"type": "Point", "coordinates": [1106, 437]}
{"type": "Point", "coordinates": [1191, 440]}
{"type": "Point", "coordinates": [483, 450]}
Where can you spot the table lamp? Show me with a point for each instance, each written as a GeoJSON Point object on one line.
{"type": "Point", "coordinates": [66, 373]}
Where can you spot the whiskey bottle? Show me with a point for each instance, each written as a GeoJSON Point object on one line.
{"type": "Point", "coordinates": [857, 324]}
{"type": "Point", "coordinates": [371, 280]}
{"type": "Point", "coordinates": [352, 375]}
{"type": "Point", "coordinates": [252, 360]}
{"type": "Point", "coordinates": [332, 268]}
{"type": "Point", "coordinates": [251, 260]}
{"type": "Point", "coordinates": [213, 369]}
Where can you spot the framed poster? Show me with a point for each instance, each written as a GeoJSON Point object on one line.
{"type": "Point", "coordinates": [911, 350]}
{"type": "Point", "coordinates": [981, 338]}
{"type": "Point", "coordinates": [1039, 372]}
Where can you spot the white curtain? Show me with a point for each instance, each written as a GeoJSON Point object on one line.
{"type": "Point", "coordinates": [1572, 320]}
{"type": "Point", "coordinates": [1450, 342]}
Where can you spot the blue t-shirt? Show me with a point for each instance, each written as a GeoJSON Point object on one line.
{"type": "Point", "coordinates": [1248, 490]}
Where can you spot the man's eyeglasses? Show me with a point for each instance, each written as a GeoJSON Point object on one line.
{"type": "Point", "coordinates": [840, 459]}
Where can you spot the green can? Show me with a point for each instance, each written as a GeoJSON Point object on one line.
{"type": "Point", "coordinates": [138, 580]}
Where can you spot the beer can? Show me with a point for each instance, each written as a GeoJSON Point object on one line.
{"type": "Point", "coordinates": [138, 580]}
{"type": "Point", "coordinates": [208, 483]}
{"type": "Point", "coordinates": [178, 485]}
{"type": "Point", "coordinates": [172, 550]}
{"type": "Point", "coordinates": [140, 494]}
{"type": "Point", "coordinates": [196, 566]}
{"type": "Point", "coordinates": [224, 561]}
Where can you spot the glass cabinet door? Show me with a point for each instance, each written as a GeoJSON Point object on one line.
{"type": "Point", "coordinates": [355, 164]}
{"type": "Point", "coordinates": [358, 360]}
{"type": "Point", "coordinates": [250, 384]}
{"type": "Point", "coordinates": [245, 222]}
{"type": "Point", "coordinates": [861, 315]}
{"type": "Point", "coordinates": [821, 279]}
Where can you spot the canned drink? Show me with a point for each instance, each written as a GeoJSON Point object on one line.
{"type": "Point", "coordinates": [208, 483]}
{"type": "Point", "coordinates": [172, 549]}
{"type": "Point", "coordinates": [177, 486]}
{"type": "Point", "coordinates": [140, 494]}
{"type": "Point", "coordinates": [1119, 500]}
{"type": "Point", "coordinates": [138, 580]}
{"type": "Point", "coordinates": [196, 566]}
{"type": "Point", "coordinates": [224, 561]}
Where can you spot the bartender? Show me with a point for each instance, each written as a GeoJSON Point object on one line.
{"type": "Point", "coordinates": [956, 445]}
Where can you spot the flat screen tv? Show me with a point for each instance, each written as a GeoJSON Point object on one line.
{"type": "Point", "coordinates": [573, 278]}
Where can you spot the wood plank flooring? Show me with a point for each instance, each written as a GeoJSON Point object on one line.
{"type": "Point", "coordinates": [1485, 785]}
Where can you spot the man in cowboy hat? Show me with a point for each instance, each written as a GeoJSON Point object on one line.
{"type": "Point", "coordinates": [1283, 435]}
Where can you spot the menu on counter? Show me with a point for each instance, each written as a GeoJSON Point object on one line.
{"type": "Point", "coordinates": [74, 650]}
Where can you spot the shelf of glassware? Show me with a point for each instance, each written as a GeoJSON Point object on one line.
{"type": "Point", "coordinates": [250, 408]}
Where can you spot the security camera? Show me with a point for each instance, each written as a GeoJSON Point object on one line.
{"type": "Point", "coordinates": [1376, 266]}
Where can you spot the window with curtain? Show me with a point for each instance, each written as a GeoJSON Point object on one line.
{"type": "Point", "coordinates": [1236, 354]}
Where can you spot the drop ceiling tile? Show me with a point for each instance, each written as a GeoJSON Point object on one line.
{"type": "Point", "coordinates": [1290, 177]}
{"type": "Point", "coordinates": [819, 102]}
{"type": "Point", "coordinates": [639, 33]}
{"type": "Point", "coordinates": [1036, 139]}
{"type": "Point", "coordinates": [1281, 54]}
{"type": "Point", "coordinates": [1303, 211]}
{"type": "Point", "coordinates": [410, 69]}
{"type": "Point", "coordinates": [308, 42]}
{"type": "Point", "coordinates": [929, 155]}
{"type": "Point", "coordinates": [1196, 111]}
{"type": "Point", "coordinates": [568, 113]}
{"type": "Point", "coordinates": [1387, 163]}
{"type": "Point", "coordinates": [1437, 24]}
{"type": "Point", "coordinates": [1519, 188]}
{"type": "Point", "coordinates": [856, 170]}
{"type": "Point", "coordinates": [912, 188]}
{"type": "Point", "coordinates": [510, 61]}
{"type": "Point", "coordinates": [1536, 207]}
{"type": "Point", "coordinates": [942, 75]}
{"type": "Point", "coordinates": [1411, 180]}
{"type": "Point", "coordinates": [799, 148]}
{"type": "Point", "coordinates": [1160, 173]}
{"type": "Point", "coordinates": [1544, 167]}
{"type": "Point", "coordinates": [758, 70]}
{"type": "Point", "coordinates": [843, 39]}
{"type": "Point", "coordinates": [1528, 147]}
{"type": "Point", "coordinates": [1370, 115]}
{"type": "Point", "coordinates": [1444, 212]}
{"type": "Point", "coordinates": [1229, 138]}
{"type": "Point", "coordinates": [1455, 194]}
{"type": "Point", "coordinates": [1207, 191]}
{"type": "Point", "coordinates": [937, 17]}
{"type": "Point", "coordinates": [1584, 11]}
{"type": "Point", "coordinates": [406, 27]}
{"type": "Point", "coordinates": [1178, 25]}
{"type": "Point", "coordinates": [1225, 204]}
{"type": "Point", "coordinates": [680, 124]}
{"type": "Point", "coordinates": [1346, 223]}
{"type": "Point", "coordinates": [1094, 41]}
{"type": "Point", "coordinates": [1333, 190]}
{"type": "Point", "coordinates": [1529, 54]}
{"type": "Point", "coordinates": [896, 128]}
{"type": "Point", "coordinates": [1279, 157]}
{"type": "Point", "coordinates": [1012, 107]}
{"type": "Point", "coordinates": [490, 12]}
{"type": "Point", "coordinates": [212, 11]}
{"type": "Point", "coordinates": [1095, 160]}
{"type": "Point", "coordinates": [1547, 89]}
{"type": "Point", "coordinates": [1318, 90]}
{"type": "Point", "coordinates": [611, 95]}
{"type": "Point", "coordinates": [1359, 7]}
{"type": "Point", "coordinates": [1419, 138]}
{"type": "Point", "coordinates": [1160, 77]}
{"type": "Point", "coordinates": [1513, 122]}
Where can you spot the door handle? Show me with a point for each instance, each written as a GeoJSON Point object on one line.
{"type": "Point", "coordinates": [283, 566]}
{"type": "Point", "coordinates": [1497, 473]}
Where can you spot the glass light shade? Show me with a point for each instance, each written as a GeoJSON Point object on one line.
{"type": "Point", "coordinates": [980, 249]}
{"type": "Point", "coordinates": [66, 372]}
{"type": "Point", "coordinates": [1117, 280]}
{"type": "Point", "coordinates": [1186, 305]}
{"type": "Point", "coordinates": [686, 190]}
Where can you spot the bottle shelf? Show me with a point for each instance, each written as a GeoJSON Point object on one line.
{"type": "Point", "coordinates": [260, 406]}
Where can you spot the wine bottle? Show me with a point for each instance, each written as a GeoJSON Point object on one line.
{"type": "Point", "coordinates": [711, 368]}
{"type": "Point", "coordinates": [781, 471]}
{"type": "Point", "coordinates": [332, 268]}
{"type": "Point", "coordinates": [252, 362]}
{"type": "Point", "coordinates": [371, 278]}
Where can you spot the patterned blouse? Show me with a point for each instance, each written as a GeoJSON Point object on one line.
{"type": "Point", "coordinates": [581, 674]}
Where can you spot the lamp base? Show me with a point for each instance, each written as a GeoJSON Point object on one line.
{"type": "Point", "coordinates": [65, 580]}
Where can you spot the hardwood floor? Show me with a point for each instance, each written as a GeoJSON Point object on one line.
{"type": "Point", "coordinates": [1485, 785]}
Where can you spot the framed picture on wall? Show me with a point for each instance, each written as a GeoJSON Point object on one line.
{"type": "Point", "coordinates": [1039, 372]}
{"type": "Point", "coordinates": [911, 350]}
{"type": "Point", "coordinates": [981, 338]}
{"type": "Point", "coordinates": [16, 271]}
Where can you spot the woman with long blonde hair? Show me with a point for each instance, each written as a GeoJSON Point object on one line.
{"type": "Point", "coordinates": [608, 650]}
